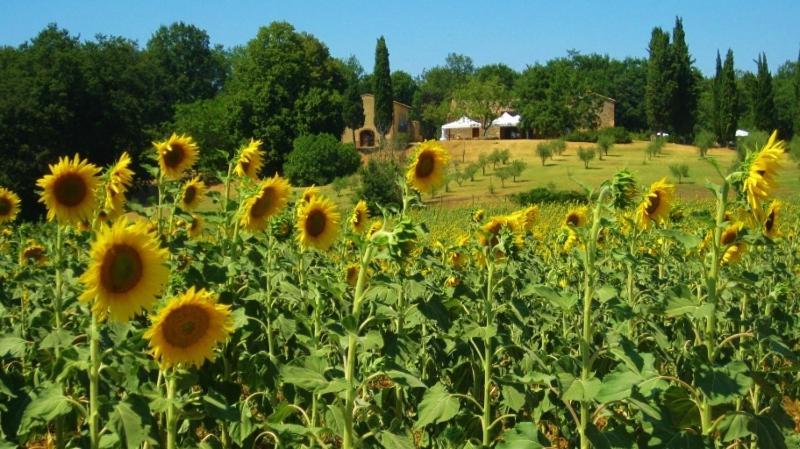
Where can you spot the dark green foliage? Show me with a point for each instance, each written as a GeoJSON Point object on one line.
{"type": "Point", "coordinates": [581, 136]}
{"type": "Point", "coordinates": [618, 134]}
{"type": "Point", "coordinates": [403, 87]}
{"type": "Point", "coordinates": [660, 82]}
{"type": "Point", "coordinates": [504, 74]}
{"type": "Point", "coordinates": [547, 195]}
{"type": "Point", "coordinates": [319, 159]}
{"type": "Point", "coordinates": [752, 142]}
{"type": "Point", "coordinates": [586, 155]}
{"type": "Point", "coordinates": [728, 113]}
{"type": "Point", "coordinates": [379, 184]}
{"type": "Point", "coordinates": [716, 94]}
{"type": "Point", "coordinates": [604, 143]}
{"type": "Point", "coordinates": [382, 88]}
{"type": "Point", "coordinates": [353, 106]}
{"type": "Point", "coordinates": [684, 99]}
{"type": "Point", "coordinates": [545, 151]}
{"type": "Point", "coordinates": [679, 171]}
{"type": "Point", "coordinates": [208, 122]}
{"type": "Point", "coordinates": [703, 141]}
{"type": "Point", "coordinates": [763, 97]}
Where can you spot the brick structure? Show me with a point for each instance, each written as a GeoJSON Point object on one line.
{"type": "Point", "coordinates": [368, 136]}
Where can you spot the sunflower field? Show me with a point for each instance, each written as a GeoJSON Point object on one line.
{"type": "Point", "coordinates": [242, 316]}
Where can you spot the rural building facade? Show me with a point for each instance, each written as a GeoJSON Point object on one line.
{"type": "Point", "coordinates": [368, 136]}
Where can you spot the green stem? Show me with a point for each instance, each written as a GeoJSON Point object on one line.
{"type": "Point", "coordinates": [94, 382]}
{"type": "Point", "coordinates": [268, 301]}
{"type": "Point", "coordinates": [487, 355]}
{"type": "Point", "coordinates": [159, 212]}
{"type": "Point", "coordinates": [348, 439]}
{"type": "Point", "coordinates": [172, 412]}
{"type": "Point", "coordinates": [59, 290]}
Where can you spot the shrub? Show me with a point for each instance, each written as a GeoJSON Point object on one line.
{"type": "Point", "coordinates": [558, 146]}
{"type": "Point", "coordinates": [654, 148]}
{"type": "Point", "coordinates": [548, 195]}
{"type": "Point", "coordinates": [516, 168]}
{"type": "Point", "coordinates": [618, 134]}
{"type": "Point", "coordinates": [605, 142]}
{"type": "Point", "coordinates": [753, 142]}
{"type": "Point", "coordinates": [586, 155]}
{"type": "Point", "coordinates": [471, 170]}
{"type": "Point", "coordinates": [319, 159]}
{"type": "Point", "coordinates": [679, 171]}
{"type": "Point", "coordinates": [794, 148]}
{"type": "Point", "coordinates": [544, 150]}
{"type": "Point", "coordinates": [339, 184]}
{"type": "Point", "coordinates": [703, 141]}
{"type": "Point", "coordinates": [379, 184]}
{"type": "Point", "coordinates": [483, 161]}
{"type": "Point", "coordinates": [581, 136]}
{"type": "Point", "coordinates": [503, 173]}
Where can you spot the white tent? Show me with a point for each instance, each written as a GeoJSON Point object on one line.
{"type": "Point", "coordinates": [506, 120]}
{"type": "Point", "coordinates": [742, 133]}
{"type": "Point", "coordinates": [462, 123]}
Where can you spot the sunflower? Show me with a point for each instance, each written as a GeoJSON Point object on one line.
{"type": "Point", "coordinates": [761, 172]}
{"type": "Point", "coordinates": [126, 271]}
{"type": "Point", "coordinates": [771, 227]}
{"type": "Point", "coordinates": [351, 274]}
{"type": "Point", "coordinates": [526, 217]}
{"type": "Point", "coordinates": [733, 246]}
{"type": "Point", "coordinates": [250, 160]}
{"type": "Point", "coordinates": [9, 205]}
{"type": "Point", "coordinates": [576, 217]}
{"type": "Point", "coordinates": [192, 194]}
{"type": "Point", "coordinates": [317, 223]}
{"type": "Point", "coordinates": [68, 191]}
{"type": "Point", "coordinates": [478, 215]}
{"type": "Point", "coordinates": [267, 202]}
{"type": "Point", "coordinates": [358, 221]}
{"type": "Point", "coordinates": [176, 155]}
{"type": "Point", "coordinates": [118, 179]}
{"type": "Point", "coordinates": [188, 328]}
{"type": "Point", "coordinates": [426, 172]}
{"type": "Point", "coordinates": [195, 227]}
{"type": "Point", "coordinates": [309, 193]}
{"type": "Point", "coordinates": [489, 233]}
{"type": "Point", "coordinates": [655, 205]}
{"type": "Point", "coordinates": [33, 252]}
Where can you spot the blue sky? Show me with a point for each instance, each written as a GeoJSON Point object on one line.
{"type": "Point", "coordinates": [420, 33]}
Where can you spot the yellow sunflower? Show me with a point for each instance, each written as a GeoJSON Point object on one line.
{"type": "Point", "coordinates": [526, 217]}
{"type": "Point", "coordinates": [655, 205]}
{"type": "Point", "coordinates": [318, 223]}
{"type": "Point", "coordinates": [771, 226]}
{"type": "Point", "coordinates": [478, 215]}
{"type": "Point", "coordinates": [9, 205]}
{"type": "Point", "coordinates": [69, 190]}
{"type": "Point", "coordinates": [195, 227]}
{"type": "Point", "coordinates": [267, 202]}
{"type": "Point", "coordinates": [126, 271]}
{"type": "Point", "coordinates": [351, 274]}
{"type": "Point", "coordinates": [576, 217]}
{"type": "Point", "coordinates": [118, 179]}
{"type": "Point", "coordinates": [763, 171]}
{"type": "Point", "coordinates": [33, 252]}
{"type": "Point", "coordinates": [309, 193]}
{"type": "Point", "coordinates": [250, 160]}
{"type": "Point", "coordinates": [358, 220]}
{"type": "Point", "coordinates": [176, 155]}
{"type": "Point", "coordinates": [188, 328]}
{"type": "Point", "coordinates": [489, 233]}
{"type": "Point", "coordinates": [733, 246]}
{"type": "Point", "coordinates": [426, 172]}
{"type": "Point", "coordinates": [192, 194]}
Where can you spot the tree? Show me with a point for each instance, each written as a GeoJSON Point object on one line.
{"type": "Point", "coordinates": [679, 171]}
{"type": "Point", "coordinates": [586, 155]}
{"type": "Point", "coordinates": [684, 98]}
{"type": "Point", "coordinates": [379, 184]}
{"type": "Point", "coordinates": [728, 113]}
{"type": "Point", "coordinates": [604, 143]}
{"type": "Point", "coordinates": [353, 106]}
{"type": "Point", "coordinates": [319, 159]}
{"type": "Point", "coordinates": [660, 82]}
{"type": "Point", "coordinates": [703, 141]}
{"type": "Point", "coordinates": [797, 95]}
{"type": "Point", "coordinates": [544, 150]}
{"type": "Point", "coordinates": [716, 92]}
{"type": "Point", "coordinates": [516, 168]}
{"type": "Point", "coordinates": [763, 97]}
{"type": "Point", "coordinates": [481, 99]}
{"type": "Point", "coordinates": [403, 87]}
{"type": "Point", "coordinates": [483, 161]}
{"type": "Point", "coordinates": [559, 146]}
{"type": "Point", "coordinates": [503, 173]}
{"type": "Point", "coordinates": [471, 170]}
{"type": "Point", "coordinates": [382, 89]}
{"type": "Point", "coordinates": [502, 73]}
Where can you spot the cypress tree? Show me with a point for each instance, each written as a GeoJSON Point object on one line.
{"type": "Point", "coordinates": [797, 95]}
{"type": "Point", "coordinates": [660, 82]}
{"type": "Point", "coordinates": [382, 83]}
{"type": "Point", "coordinates": [729, 101]}
{"type": "Point", "coordinates": [716, 118]}
{"type": "Point", "coordinates": [763, 97]}
{"type": "Point", "coordinates": [683, 103]}
{"type": "Point", "coordinates": [353, 108]}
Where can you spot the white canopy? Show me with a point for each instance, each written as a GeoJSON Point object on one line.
{"type": "Point", "coordinates": [506, 120]}
{"type": "Point", "coordinates": [742, 133]}
{"type": "Point", "coordinates": [463, 122]}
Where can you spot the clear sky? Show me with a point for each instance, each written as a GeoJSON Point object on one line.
{"type": "Point", "coordinates": [421, 33]}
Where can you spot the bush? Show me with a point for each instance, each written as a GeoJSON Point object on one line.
{"type": "Point", "coordinates": [379, 184]}
{"type": "Point", "coordinates": [544, 150]}
{"type": "Point", "coordinates": [679, 171]}
{"type": "Point", "coordinates": [753, 142]}
{"type": "Point", "coordinates": [558, 146]}
{"type": "Point", "coordinates": [618, 133]}
{"type": "Point", "coordinates": [548, 195]}
{"type": "Point", "coordinates": [604, 143]}
{"type": "Point", "coordinates": [587, 135]}
{"type": "Point", "coordinates": [703, 141]}
{"type": "Point", "coordinates": [794, 148]}
{"type": "Point", "coordinates": [586, 155]}
{"type": "Point", "coordinates": [319, 159]}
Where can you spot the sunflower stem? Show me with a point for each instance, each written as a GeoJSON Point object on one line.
{"type": "Point", "coordinates": [172, 412]}
{"type": "Point", "coordinates": [487, 355]}
{"type": "Point", "coordinates": [59, 288]}
{"type": "Point", "coordinates": [159, 212]}
{"type": "Point", "coordinates": [94, 381]}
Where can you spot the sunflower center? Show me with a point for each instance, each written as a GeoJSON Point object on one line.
{"type": "Point", "coordinates": [261, 205]}
{"type": "Point", "coordinates": [770, 223]}
{"type": "Point", "coordinates": [174, 155]}
{"type": "Point", "coordinates": [70, 189]}
{"type": "Point", "coordinates": [189, 194]}
{"type": "Point", "coordinates": [573, 220]}
{"type": "Point", "coordinates": [652, 206]}
{"type": "Point", "coordinates": [122, 269]}
{"type": "Point", "coordinates": [358, 218]}
{"type": "Point", "coordinates": [315, 223]}
{"type": "Point", "coordinates": [728, 237]}
{"type": "Point", "coordinates": [245, 164]}
{"type": "Point", "coordinates": [425, 165]}
{"type": "Point", "coordinates": [5, 206]}
{"type": "Point", "coordinates": [186, 326]}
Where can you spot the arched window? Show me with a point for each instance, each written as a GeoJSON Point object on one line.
{"type": "Point", "coordinates": [366, 138]}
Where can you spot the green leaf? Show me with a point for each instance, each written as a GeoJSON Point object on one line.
{"type": "Point", "coordinates": [605, 293]}
{"type": "Point", "coordinates": [726, 384]}
{"type": "Point", "coordinates": [681, 407]}
{"type": "Point", "coordinates": [584, 391]}
{"type": "Point", "coordinates": [128, 425]}
{"type": "Point", "coordinates": [390, 440]}
{"type": "Point", "coordinates": [437, 406]}
{"type": "Point", "coordinates": [735, 426]}
{"type": "Point", "coordinates": [49, 404]}
{"type": "Point", "coordinates": [523, 436]}
{"type": "Point", "coordinates": [13, 345]}
{"type": "Point", "coordinates": [687, 240]}
{"type": "Point", "coordinates": [617, 386]}
{"type": "Point", "coordinates": [566, 303]}
{"type": "Point", "coordinates": [768, 434]}
{"type": "Point", "coordinates": [303, 377]}
{"type": "Point", "coordinates": [681, 305]}
{"type": "Point", "coordinates": [513, 398]}
{"type": "Point", "coordinates": [405, 379]}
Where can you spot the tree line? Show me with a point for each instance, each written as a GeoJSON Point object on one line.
{"type": "Point", "coordinates": [62, 95]}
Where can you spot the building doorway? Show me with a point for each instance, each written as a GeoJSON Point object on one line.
{"type": "Point", "coordinates": [366, 138]}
